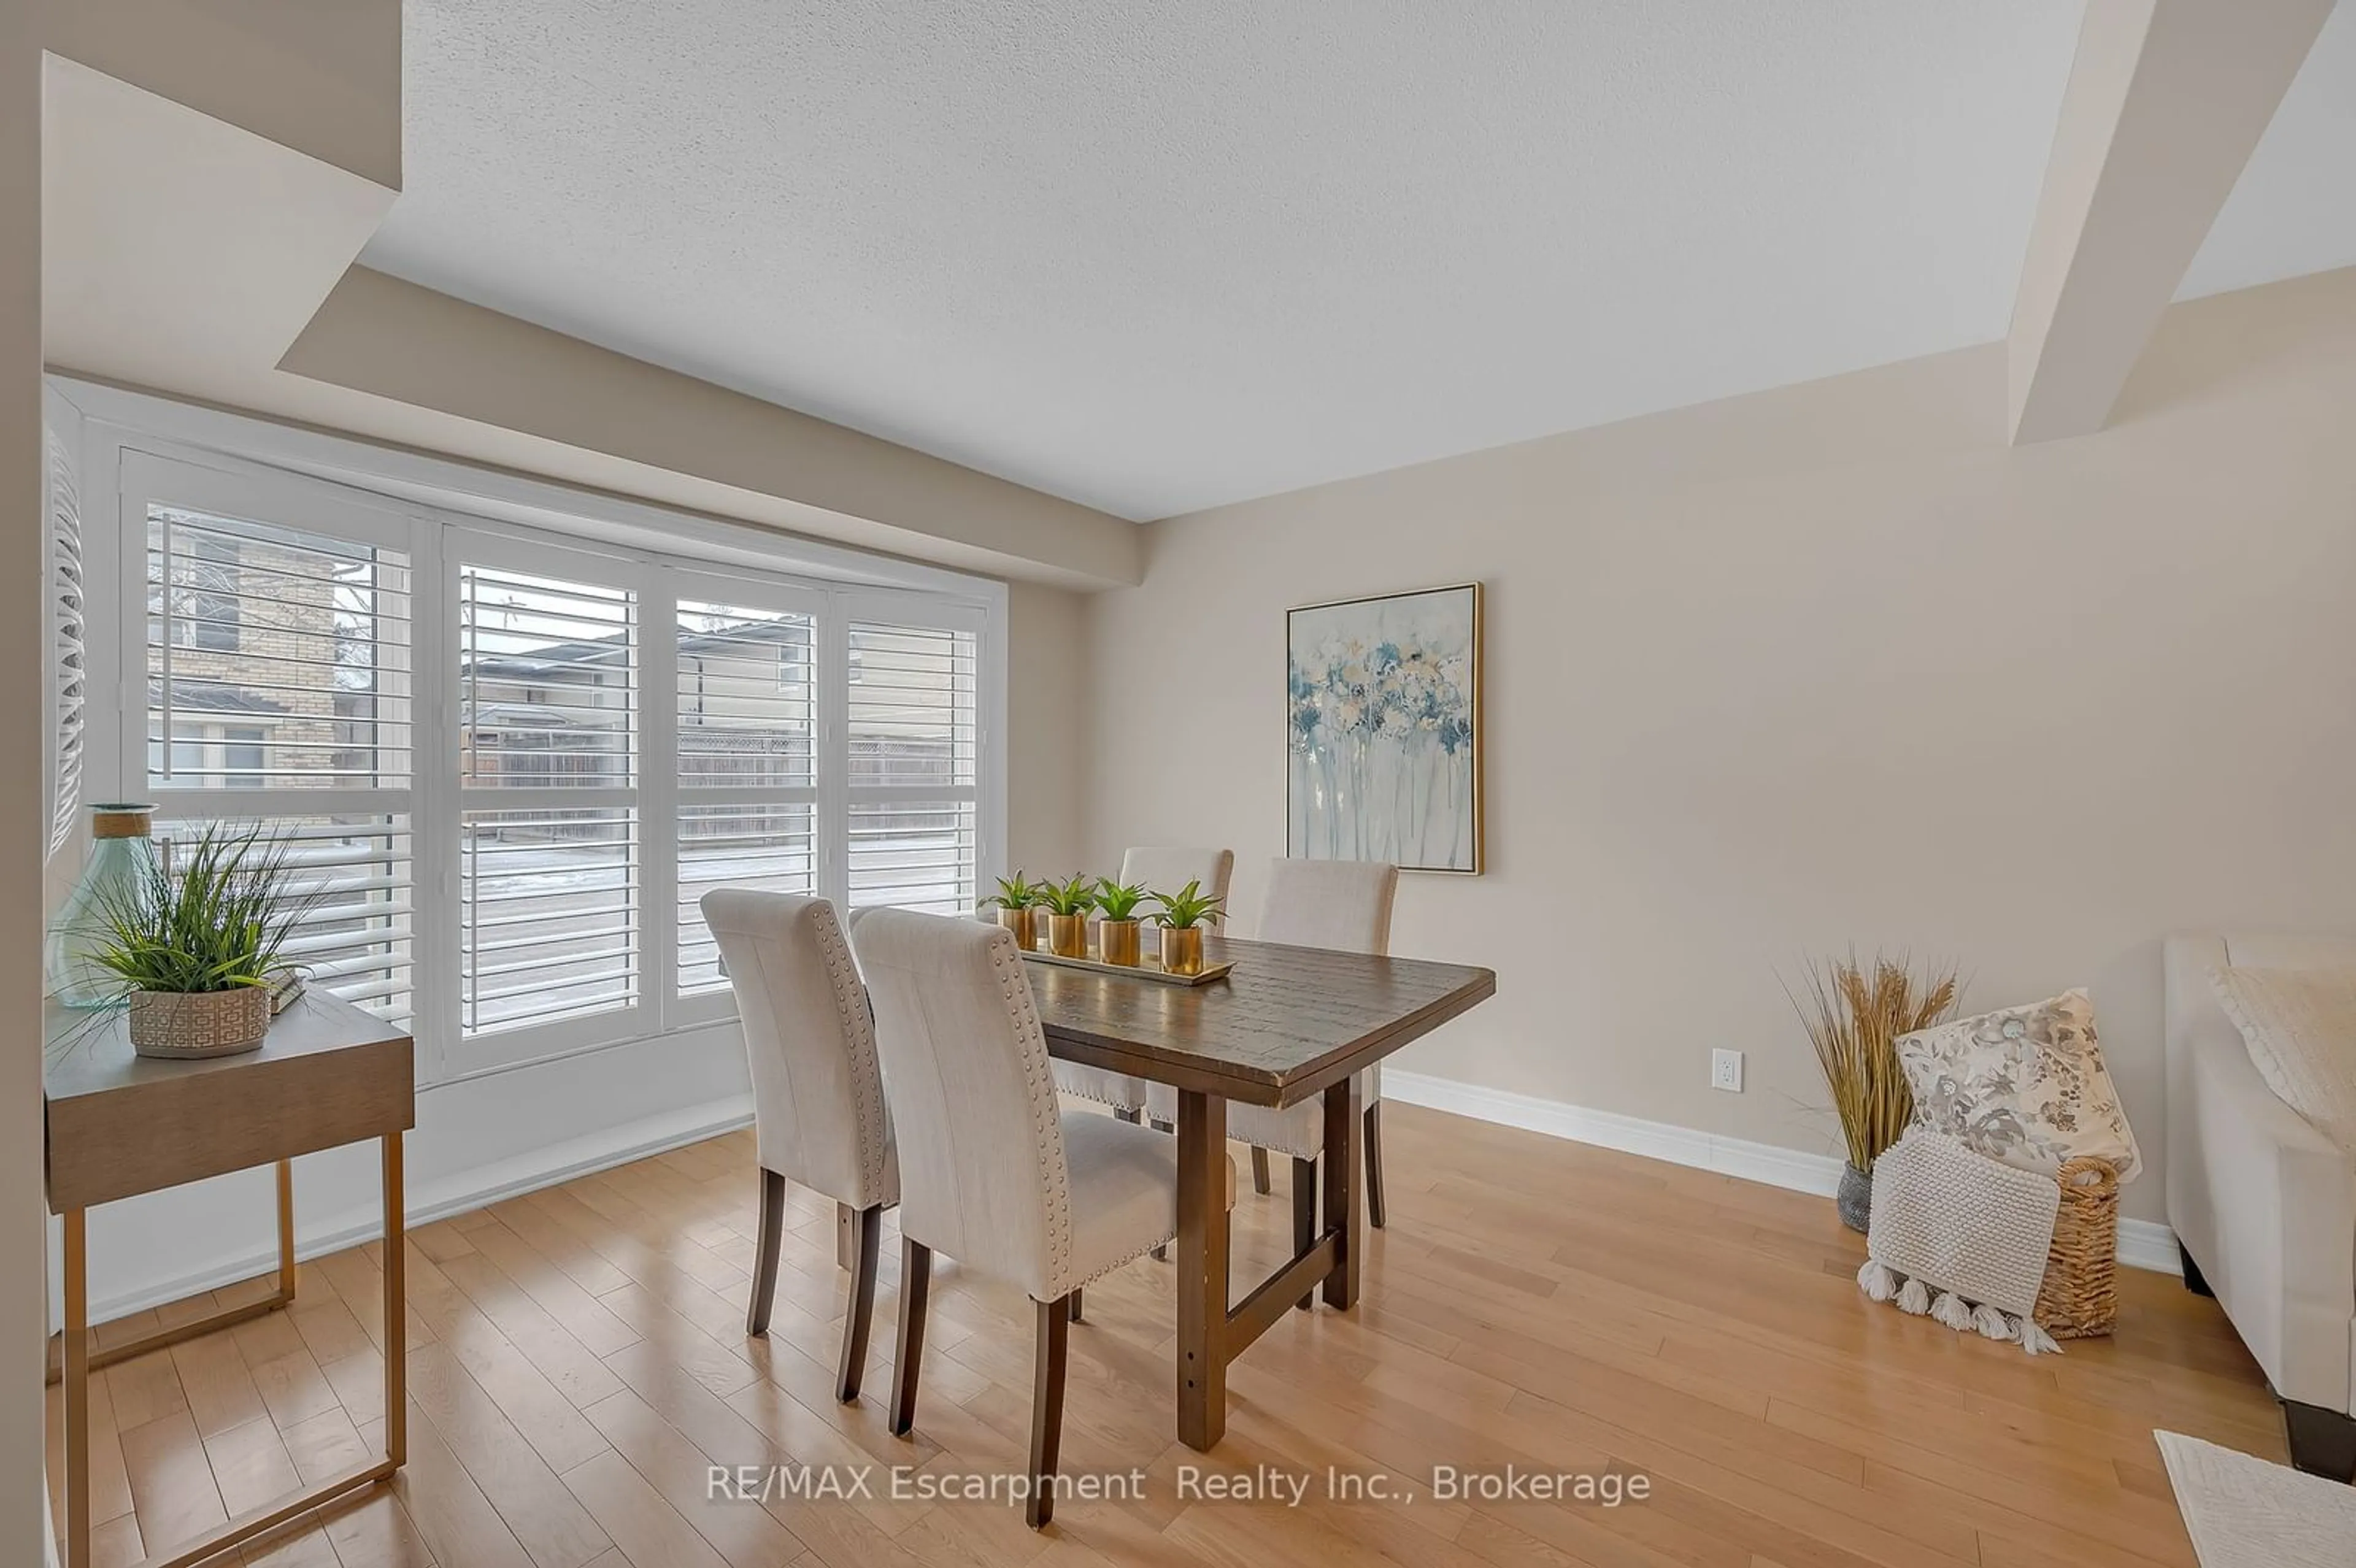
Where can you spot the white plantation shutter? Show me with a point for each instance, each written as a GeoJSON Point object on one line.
{"type": "Point", "coordinates": [299, 636]}
{"type": "Point", "coordinates": [356, 873]}
{"type": "Point", "coordinates": [912, 837]}
{"type": "Point", "coordinates": [551, 905]}
{"type": "Point", "coordinates": [549, 916]}
{"type": "Point", "coordinates": [67, 663]}
{"type": "Point", "coordinates": [747, 720]}
{"type": "Point", "coordinates": [772, 847]}
{"type": "Point", "coordinates": [547, 679]}
{"type": "Point", "coordinates": [278, 696]}
{"type": "Point", "coordinates": [509, 763]}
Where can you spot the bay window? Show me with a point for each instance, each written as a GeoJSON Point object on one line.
{"type": "Point", "coordinates": [513, 760]}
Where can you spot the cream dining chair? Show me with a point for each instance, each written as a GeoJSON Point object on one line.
{"type": "Point", "coordinates": [994, 1172]}
{"type": "Point", "coordinates": [1164, 871]}
{"type": "Point", "coordinates": [818, 1113]}
{"type": "Point", "coordinates": [1345, 906]}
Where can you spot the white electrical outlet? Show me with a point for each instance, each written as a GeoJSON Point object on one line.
{"type": "Point", "coordinates": [1726, 1071]}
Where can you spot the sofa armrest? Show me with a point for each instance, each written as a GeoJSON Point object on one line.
{"type": "Point", "coordinates": [2264, 1203]}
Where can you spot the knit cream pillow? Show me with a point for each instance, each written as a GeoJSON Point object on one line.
{"type": "Point", "coordinates": [2024, 1086]}
{"type": "Point", "coordinates": [2300, 1028]}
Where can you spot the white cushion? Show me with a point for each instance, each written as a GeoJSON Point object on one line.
{"type": "Point", "coordinates": [1125, 1191]}
{"type": "Point", "coordinates": [1344, 905]}
{"type": "Point", "coordinates": [2024, 1086]}
{"type": "Point", "coordinates": [2299, 1026]}
{"type": "Point", "coordinates": [819, 1116]}
{"type": "Point", "coordinates": [993, 1172]}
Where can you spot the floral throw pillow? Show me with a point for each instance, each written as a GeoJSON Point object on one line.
{"type": "Point", "coordinates": [2024, 1086]}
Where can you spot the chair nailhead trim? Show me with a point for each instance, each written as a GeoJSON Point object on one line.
{"type": "Point", "coordinates": [1046, 1123]}
{"type": "Point", "coordinates": [858, 1022]}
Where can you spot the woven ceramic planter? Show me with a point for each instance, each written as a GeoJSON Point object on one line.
{"type": "Point", "coordinates": [1854, 1198]}
{"type": "Point", "coordinates": [182, 1025]}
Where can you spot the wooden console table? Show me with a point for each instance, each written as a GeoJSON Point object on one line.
{"type": "Point", "coordinates": [120, 1125]}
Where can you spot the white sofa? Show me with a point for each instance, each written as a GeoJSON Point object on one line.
{"type": "Point", "coordinates": [2264, 1206]}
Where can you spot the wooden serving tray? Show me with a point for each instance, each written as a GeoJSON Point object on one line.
{"type": "Point", "coordinates": [1150, 969]}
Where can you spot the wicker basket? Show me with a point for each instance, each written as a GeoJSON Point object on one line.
{"type": "Point", "coordinates": [186, 1025]}
{"type": "Point", "coordinates": [2080, 1296]}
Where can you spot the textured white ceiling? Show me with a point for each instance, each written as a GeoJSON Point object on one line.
{"type": "Point", "coordinates": [2294, 209]}
{"type": "Point", "coordinates": [1154, 256]}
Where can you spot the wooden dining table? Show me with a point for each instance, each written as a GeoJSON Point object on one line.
{"type": "Point", "coordinates": [1285, 1026]}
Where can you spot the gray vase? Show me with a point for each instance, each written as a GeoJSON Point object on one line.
{"type": "Point", "coordinates": [1855, 1199]}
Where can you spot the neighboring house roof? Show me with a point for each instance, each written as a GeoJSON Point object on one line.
{"type": "Point", "coordinates": [498, 716]}
{"type": "Point", "coordinates": [200, 696]}
{"type": "Point", "coordinates": [557, 658]}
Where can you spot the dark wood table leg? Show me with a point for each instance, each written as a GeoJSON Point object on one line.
{"type": "Point", "coordinates": [1202, 1269]}
{"type": "Point", "coordinates": [1344, 1111]}
{"type": "Point", "coordinates": [1304, 1216]}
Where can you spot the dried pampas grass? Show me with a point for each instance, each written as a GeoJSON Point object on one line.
{"type": "Point", "coordinates": [1853, 1014]}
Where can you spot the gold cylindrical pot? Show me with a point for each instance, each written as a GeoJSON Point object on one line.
{"type": "Point", "coordinates": [1182, 949]}
{"type": "Point", "coordinates": [1023, 922]}
{"type": "Point", "coordinates": [1116, 942]}
{"type": "Point", "coordinates": [1067, 936]}
{"type": "Point", "coordinates": [185, 1025]}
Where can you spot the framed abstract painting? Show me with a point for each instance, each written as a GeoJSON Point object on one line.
{"type": "Point", "coordinates": [1384, 730]}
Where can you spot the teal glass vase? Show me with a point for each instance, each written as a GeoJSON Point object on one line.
{"type": "Point", "coordinates": [121, 862]}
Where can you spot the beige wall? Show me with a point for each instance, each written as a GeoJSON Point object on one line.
{"type": "Point", "coordinates": [1823, 666]}
{"type": "Point", "coordinates": [325, 79]}
{"type": "Point", "coordinates": [1047, 749]}
{"type": "Point", "coordinates": [23, 1289]}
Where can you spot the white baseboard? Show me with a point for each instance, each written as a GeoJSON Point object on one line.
{"type": "Point", "coordinates": [458, 1193]}
{"type": "Point", "coordinates": [2143, 1243]}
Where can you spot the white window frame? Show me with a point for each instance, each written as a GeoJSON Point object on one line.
{"type": "Point", "coordinates": [135, 446]}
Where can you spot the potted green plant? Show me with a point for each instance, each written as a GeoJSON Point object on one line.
{"type": "Point", "coordinates": [1116, 932]}
{"type": "Point", "coordinates": [1853, 1014]}
{"type": "Point", "coordinates": [198, 943]}
{"type": "Point", "coordinates": [1067, 905]}
{"type": "Point", "coordinates": [1182, 918]}
{"type": "Point", "coordinates": [1017, 902]}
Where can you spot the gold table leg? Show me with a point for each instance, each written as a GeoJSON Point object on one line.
{"type": "Point", "coordinates": [396, 1312]}
{"type": "Point", "coordinates": [78, 1363]}
{"type": "Point", "coordinates": [77, 1391]}
{"type": "Point", "coordinates": [286, 1230]}
{"type": "Point", "coordinates": [283, 1297]}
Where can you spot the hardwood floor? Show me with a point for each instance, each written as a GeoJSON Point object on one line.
{"type": "Point", "coordinates": [578, 1363]}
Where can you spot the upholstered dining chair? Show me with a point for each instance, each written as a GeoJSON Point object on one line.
{"type": "Point", "coordinates": [818, 1113]}
{"type": "Point", "coordinates": [1344, 905]}
{"type": "Point", "coordinates": [1163, 870]}
{"type": "Point", "coordinates": [993, 1171]}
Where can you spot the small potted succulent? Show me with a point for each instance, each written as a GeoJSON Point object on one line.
{"type": "Point", "coordinates": [1116, 932]}
{"type": "Point", "coordinates": [199, 943]}
{"type": "Point", "coordinates": [1181, 917]}
{"type": "Point", "coordinates": [1067, 905]}
{"type": "Point", "coordinates": [1017, 902]}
